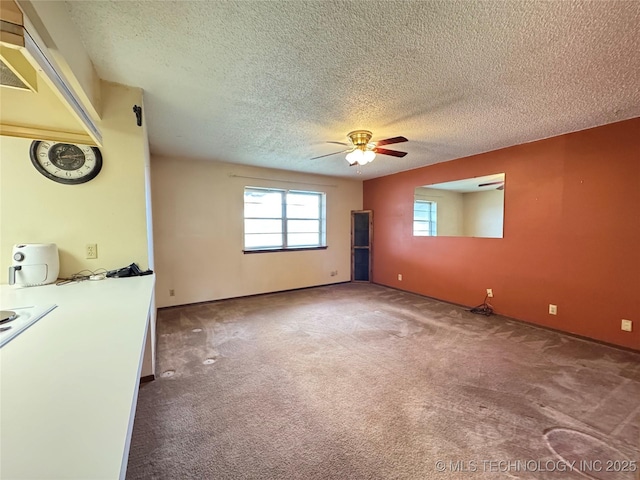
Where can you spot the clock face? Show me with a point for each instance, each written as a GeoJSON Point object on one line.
{"type": "Point", "coordinates": [66, 163]}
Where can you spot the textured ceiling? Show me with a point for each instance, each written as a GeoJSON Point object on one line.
{"type": "Point", "coordinates": [269, 83]}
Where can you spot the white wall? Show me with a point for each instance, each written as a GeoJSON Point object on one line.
{"type": "Point", "coordinates": [198, 232]}
{"type": "Point", "coordinates": [108, 210]}
{"type": "Point", "coordinates": [483, 213]}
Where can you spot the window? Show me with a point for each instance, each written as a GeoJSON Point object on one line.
{"type": "Point", "coordinates": [283, 219]}
{"type": "Point", "coordinates": [424, 218]}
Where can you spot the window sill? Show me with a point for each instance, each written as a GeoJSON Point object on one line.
{"type": "Point", "coordinates": [270, 250]}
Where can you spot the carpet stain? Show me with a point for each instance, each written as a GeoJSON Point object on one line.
{"type": "Point", "coordinates": [589, 455]}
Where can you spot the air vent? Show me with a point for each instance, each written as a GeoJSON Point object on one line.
{"type": "Point", "coordinates": [10, 79]}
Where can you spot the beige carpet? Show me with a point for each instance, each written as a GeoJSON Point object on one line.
{"type": "Point", "coordinates": [359, 381]}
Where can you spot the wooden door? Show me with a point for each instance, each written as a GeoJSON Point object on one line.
{"type": "Point", "coordinates": [361, 243]}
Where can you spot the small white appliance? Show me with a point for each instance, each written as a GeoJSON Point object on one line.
{"type": "Point", "coordinates": [34, 264]}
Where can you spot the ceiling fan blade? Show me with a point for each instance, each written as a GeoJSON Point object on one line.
{"type": "Point", "coordinates": [491, 183]}
{"type": "Point", "coordinates": [389, 141]}
{"type": "Point", "coordinates": [329, 154]}
{"type": "Point", "coordinates": [339, 143]}
{"type": "Point", "coordinates": [393, 153]}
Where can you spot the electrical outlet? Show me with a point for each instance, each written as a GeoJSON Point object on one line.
{"type": "Point", "coordinates": [91, 250]}
{"type": "Point", "coordinates": [490, 292]}
{"type": "Point", "coordinates": [172, 293]}
{"type": "Point", "coordinates": [626, 325]}
{"type": "Point", "coordinates": [400, 276]}
{"type": "Point", "coordinates": [553, 309]}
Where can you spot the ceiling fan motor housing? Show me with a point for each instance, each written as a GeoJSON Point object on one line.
{"type": "Point", "coordinates": [360, 138]}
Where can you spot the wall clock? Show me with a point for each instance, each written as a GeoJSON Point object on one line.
{"type": "Point", "coordinates": [65, 162]}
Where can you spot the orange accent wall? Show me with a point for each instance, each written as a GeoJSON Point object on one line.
{"type": "Point", "coordinates": [571, 234]}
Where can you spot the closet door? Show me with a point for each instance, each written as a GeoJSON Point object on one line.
{"type": "Point", "coordinates": [361, 242]}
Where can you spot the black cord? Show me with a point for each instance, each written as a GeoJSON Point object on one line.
{"type": "Point", "coordinates": [483, 309]}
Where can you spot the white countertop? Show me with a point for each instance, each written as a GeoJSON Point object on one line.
{"type": "Point", "coordinates": [69, 383]}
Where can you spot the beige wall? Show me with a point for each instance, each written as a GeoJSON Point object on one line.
{"type": "Point", "coordinates": [58, 33]}
{"type": "Point", "coordinates": [149, 360]}
{"type": "Point", "coordinates": [198, 232]}
{"type": "Point", "coordinates": [483, 213]}
{"type": "Point", "coordinates": [449, 209]}
{"type": "Point", "coordinates": [109, 210]}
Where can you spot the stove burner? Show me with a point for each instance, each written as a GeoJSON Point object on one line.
{"type": "Point", "coordinates": [16, 320]}
{"type": "Point", "coordinates": [7, 316]}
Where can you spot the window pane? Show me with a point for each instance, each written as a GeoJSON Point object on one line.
{"type": "Point", "coordinates": [422, 229]}
{"type": "Point", "coordinates": [265, 213]}
{"type": "Point", "coordinates": [303, 205]}
{"type": "Point", "coordinates": [262, 226]}
{"type": "Point", "coordinates": [303, 240]}
{"type": "Point", "coordinates": [258, 204]}
{"type": "Point", "coordinates": [423, 216]}
{"type": "Point", "coordinates": [303, 226]}
{"type": "Point", "coordinates": [263, 240]}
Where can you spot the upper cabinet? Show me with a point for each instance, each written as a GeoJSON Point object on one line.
{"type": "Point", "coordinates": [39, 99]}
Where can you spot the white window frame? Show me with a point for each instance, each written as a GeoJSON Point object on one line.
{"type": "Point", "coordinates": [284, 218]}
{"type": "Point", "coordinates": [432, 222]}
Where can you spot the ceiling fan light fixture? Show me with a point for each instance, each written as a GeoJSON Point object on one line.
{"type": "Point", "coordinates": [368, 156]}
{"type": "Point", "coordinates": [360, 156]}
{"type": "Point", "coordinates": [364, 151]}
{"type": "Point", "coordinates": [356, 156]}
